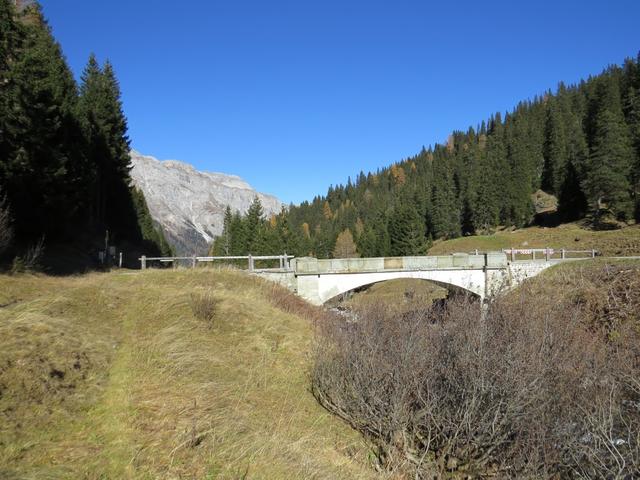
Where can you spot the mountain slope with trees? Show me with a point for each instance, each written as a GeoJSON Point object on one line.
{"type": "Point", "coordinates": [64, 150]}
{"type": "Point", "coordinates": [580, 144]}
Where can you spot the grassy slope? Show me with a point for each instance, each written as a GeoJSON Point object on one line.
{"type": "Point", "coordinates": [625, 242]}
{"type": "Point", "coordinates": [111, 376]}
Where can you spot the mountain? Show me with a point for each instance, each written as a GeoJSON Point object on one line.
{"type": "Point", "coordinates": [189, 204]}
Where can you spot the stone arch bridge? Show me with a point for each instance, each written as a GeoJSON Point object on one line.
{"type": "Point", "coordinates": [484, 275]}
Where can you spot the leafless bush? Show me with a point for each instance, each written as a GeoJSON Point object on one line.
{"type": "Point", "coordinates": [204, 307]}
{"type": "Point", "coordinates": [31, 260]}
{"type": "Point", "coordinates": [6, 231]}
{"type": "Point", "coordinates": [523, 391]}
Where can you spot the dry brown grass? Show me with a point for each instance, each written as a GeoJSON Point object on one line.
{"type": "Point", "coordinates": [158, 394]}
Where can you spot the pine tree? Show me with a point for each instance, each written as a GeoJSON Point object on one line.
{"type": "Point", "coordinates": [407, 231]}
{"type": "Point", "coordinates": [254, 223]}
{"type": "Point", "coordinates": [611, 157]}
{"type": "Point", "coordinates": [445, 216]}
{"type": "Point", "coordinates": [42, 157]}
{"type": "Point", "coordinates": [105, 127]}
{"type": "Point", "coordinates": [555, 150]}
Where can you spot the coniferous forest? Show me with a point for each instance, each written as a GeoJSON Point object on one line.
{"type": "Point", "coordinates": [64, 150]}
{"type": "Point", "coordinates": [580, 144]}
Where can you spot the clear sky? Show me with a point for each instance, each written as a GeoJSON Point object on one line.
{"type": "Point", "coordinates": [296, 95]}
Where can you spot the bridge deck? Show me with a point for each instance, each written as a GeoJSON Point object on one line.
{"type": "Point", "coordinates": [313, 266]}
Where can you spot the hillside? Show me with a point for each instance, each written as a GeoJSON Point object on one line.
{"type": "Point", "coordinates": [189, 204]}
{"type": "Point", "coordinates": [578, 145]}
{"type": "Point", "coordinates": [624, 242]}
{"type": "Point", "coordinates": [112, 376]}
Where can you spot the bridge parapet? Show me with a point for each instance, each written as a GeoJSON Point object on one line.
{"type": "Point", "coordinates": [463, 261]}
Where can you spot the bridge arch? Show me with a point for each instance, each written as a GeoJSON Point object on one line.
{"type": "Point", "coordinates": [452, 289]}
{"type": "Point", "coordinates": [327, 286]}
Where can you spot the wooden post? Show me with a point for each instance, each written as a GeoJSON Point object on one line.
{"type": "Point", "coordinates": [562, 254]}
{"type": "Point", "coordinates": [143, 262]}
{"type": "Point", "coordinates": [193, 262]}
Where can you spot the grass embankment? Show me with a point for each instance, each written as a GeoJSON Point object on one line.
{"type": "Point", "coordinates": [624, 242]}
{"type": "Point", "coordinates": [112, 376]}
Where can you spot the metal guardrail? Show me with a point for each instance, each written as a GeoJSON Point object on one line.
{"type": "Point", "coordinates": [251, 259]}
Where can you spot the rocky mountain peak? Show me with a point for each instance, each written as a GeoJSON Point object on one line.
{"type": "Point", "coordinates": [189, 204]}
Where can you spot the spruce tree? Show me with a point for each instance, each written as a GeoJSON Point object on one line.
{"type": "Point", "coordinates": [407, 231]}
{"type": "Point", "coordinates": [42, 155]}
{"type": "Point", "coordinates": [445, 216]}
{"type": "Point", "coordinates": [611, 157]}
{"type": "Point", "coordinates": [254, 222]}
{"type": "Point", "coordinates": [555, 149]}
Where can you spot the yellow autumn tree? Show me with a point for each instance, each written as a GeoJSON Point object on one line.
{"type": "Point", "coordinates": [398, 175]}
{"type": "Point", "coordinates": [305, 230]}
{"type": "Point", "coordinates": [345, 246]}
{"type": "Point", "coordinates": [326, 211]}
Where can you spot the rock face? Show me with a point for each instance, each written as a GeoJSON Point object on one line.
{"type": "Point", "coordinates": [188, 204]}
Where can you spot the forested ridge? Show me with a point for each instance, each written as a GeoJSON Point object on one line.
{"type": "Point", "coordinates": [580, 144]}
{"type": "Point", "coordinates": [64, 149]}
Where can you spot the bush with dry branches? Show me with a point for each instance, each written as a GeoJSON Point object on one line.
{"type": "Point", "coordinates": [526, 390]}
{"type": "Point", "coordinates": [6, 231]}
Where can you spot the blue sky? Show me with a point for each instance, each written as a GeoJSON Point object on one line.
{"type": "Point", "coordinates": [296, 95]}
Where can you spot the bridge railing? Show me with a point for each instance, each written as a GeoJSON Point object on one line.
{"type": "Point", "coordinates": [193, 261]}
{"type": "Point", "coordinates": [515, 254]}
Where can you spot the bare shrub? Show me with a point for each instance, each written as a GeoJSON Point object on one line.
{"type": "Point", "coordinates": [6, 230]}
{"type": "Point", "coordinates": [204, 307]}
{"type": "Point", "coordinates": [526, 390]}
{"type": "Point", "coordinates": [31, 260]}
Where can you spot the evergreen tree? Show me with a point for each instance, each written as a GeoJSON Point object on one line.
{"type": "Point", "coordinates": [407, 231]}
{"type": "Point", "coordinates": [445, 216]}
{"type": "Point", "coordinates": [555, 150]}
{"type": "Point", "coordinates": [254, 224]}
{"type": "Point", "coordinates": [42, 157]}
{"type": "Point", "coordinates": [610, 160]}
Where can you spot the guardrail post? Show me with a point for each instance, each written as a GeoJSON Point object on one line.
{"type": "Point", "coordinates": [193, 262]}
{"type": "Point", "coordinates": [562, 254]}
{"type": "Point", "coordinates": [546, 254]}
{"type": "Point", "coordinates": [250, 263]}
{"type": "Point", "coordinates": [593, 253]}
{"type": "Point", "coordinates": [143, 262]}
{"type": "Point", "coordinates": [533, 254]}
{"type": "Point", "coordinates": [513, 255]}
